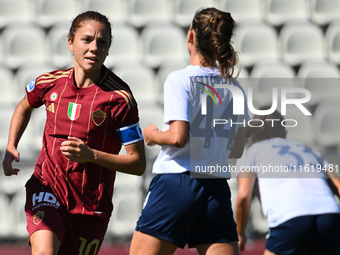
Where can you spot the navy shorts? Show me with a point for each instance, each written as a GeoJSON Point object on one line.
{"type": "Point", "coordinates": [185, 210]}
{"type": "Point", "coordinates": [306, 235]}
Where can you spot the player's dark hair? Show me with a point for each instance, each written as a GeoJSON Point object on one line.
{"type": "Point", "coordinates": [89, 16]}
{"type": "Point", "coordinates": [214, 29]}
{"type": "Point", "coordinates": [270, 128]}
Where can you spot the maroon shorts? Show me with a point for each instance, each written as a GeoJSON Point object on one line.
{"type": "Point", "coordinates": [77, 233]}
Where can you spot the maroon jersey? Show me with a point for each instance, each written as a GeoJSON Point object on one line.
{"type": "Point", "coordinates": [95, 115]}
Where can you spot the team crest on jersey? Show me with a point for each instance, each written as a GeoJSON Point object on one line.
{"type": "Point", "coordinates": [38, 217]}
{"type": "Point", "coordinates": [98, 117]}
{"type": "Point", "coordinates": [73, 111]}
{"type": "Point", "coordinates": [30, 86]}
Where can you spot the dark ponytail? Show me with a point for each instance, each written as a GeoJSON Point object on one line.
{"type": "Point", "coordinates": [214, 29]}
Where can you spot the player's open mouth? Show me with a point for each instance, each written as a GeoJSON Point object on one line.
{"type": "Point", "coordinates": [92, 59]}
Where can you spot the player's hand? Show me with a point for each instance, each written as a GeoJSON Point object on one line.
{"type": "Point", "coordinates": [242, 242]}
{"type": "Point", "coordinates": [147, 133]}
{"type": "Point", "coordinates": [76, 150]}
{"type": "Point", "coordinates": [11, 155]}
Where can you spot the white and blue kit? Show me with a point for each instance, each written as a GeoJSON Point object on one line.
{"type": "Point", "coordinates": [208, 145]}
{"type": "Point", "coordinates": [179, 208]}
{"type": "Point", "coordinates": [293, 186]}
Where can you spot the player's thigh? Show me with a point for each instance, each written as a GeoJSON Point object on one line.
{"type": "Point", "coordinates": [44, 242]}
{"type": "Point", "coordinates": [43, 212]}
{"type": "Point", "coordinates": [266, 252]}
{"type": "Point", "coordinates": [218, 249]}
{"type": "Point", "coordinates": [142, 244]}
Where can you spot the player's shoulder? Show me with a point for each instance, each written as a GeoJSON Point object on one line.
{"type": "Point", "coordinates": [111, 82]}
{"type": "Point", "coordinates": [53, 76]}
{"type": "Point", "coordinates": [178, 79]}
{"type": "Point", "coordinates": [114, 85]}
{"type": "Point", "coordinates": [182, 74]}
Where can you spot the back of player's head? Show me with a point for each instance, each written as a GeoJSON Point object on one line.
{"type": "Point", "coordinates": [85, 17]}
{"type": "Point", "coordinates": [214, 29]}
{"type": "Point", "coordinates": [272, 127]}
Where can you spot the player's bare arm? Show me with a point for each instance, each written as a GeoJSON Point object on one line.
{"type": "Point", "coordinates": [239, 143]}
{"type": "Point", "coordinates": [177, 134]}
{"type": "Point", "coordinates": [243, 202]}
{"type": "Point", "coordinates": [20, 119]}
{"type": "Point", "coordinates": [134, 162]}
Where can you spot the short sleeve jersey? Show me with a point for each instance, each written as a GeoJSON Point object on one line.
{"type": "Point", "coordinates": [183, 91]}
{"type": "Point", "coordinates": [104, 116]}
{"type": "Point", "coordinates": [289, 186]}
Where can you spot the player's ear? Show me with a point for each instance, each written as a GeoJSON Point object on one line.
{"type": "Point", "coordinates": [70, 44]}
{"type": "Point", "coordinates": [190, 40]}
{"type": "Point", "coordinates": [190, 36]}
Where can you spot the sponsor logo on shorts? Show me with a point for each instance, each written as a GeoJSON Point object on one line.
{"type": "Point", "coordinates": [44, 199]}
{"type": "Point", "coordinates": [38, 217]}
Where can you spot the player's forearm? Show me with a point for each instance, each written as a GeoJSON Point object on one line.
{"type": "Point", "coordinates": [168, 138]}
{"type": "Point", "coordinates": [242, 213]}
{"type": "Point", "coordinates": [19, 122]}
{"type": "Point", "coordinates": [246, 183]}
{"type": "Point", "coordinates": [132, 163]}
{"type": "Point", "coordinates": [177, 134]}
{"type": "Point", "coordinates": [238, 146]}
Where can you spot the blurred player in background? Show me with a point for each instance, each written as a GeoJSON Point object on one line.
{"type": "Point", "coordinates": [302, 213]}
{"type": "Point", "coordinates": [180, 209]}
{"type": "Point", "coordinates": [90, 114]}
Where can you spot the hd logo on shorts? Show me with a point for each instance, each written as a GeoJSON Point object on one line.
{"type": "Point", "coordinates": [44, 199]}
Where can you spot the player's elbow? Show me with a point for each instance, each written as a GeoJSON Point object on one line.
{"type": "Point", "coordinates": [243, 197]}
{"type": "Point", "coordinates": [141, 169]}
{"type": "Point", "coordinates": [138, 167]}
{"type": "Point", "coordinates": [244, 193]}
{"type": "Point", "coordinates": [180, 143]}
{"type": "Point", "coordinates": [179, 140]}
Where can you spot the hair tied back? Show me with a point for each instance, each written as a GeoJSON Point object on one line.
{"type": "Point", "coordinates": [212, 20]}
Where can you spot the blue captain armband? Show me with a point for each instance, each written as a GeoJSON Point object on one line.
{"type": "Point", "coordinates": [130, 134]}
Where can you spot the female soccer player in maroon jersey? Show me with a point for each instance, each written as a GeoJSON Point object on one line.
{"type": "Point", "coordinates": [90, 114]}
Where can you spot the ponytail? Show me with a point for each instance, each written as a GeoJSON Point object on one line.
{"type": "Point", "coordinates": [214, 29]}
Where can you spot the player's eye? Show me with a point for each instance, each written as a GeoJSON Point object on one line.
{"type": "Point", "coordinates": [103, 41]}
{"type": "Point", "coordinates": [86, 39]}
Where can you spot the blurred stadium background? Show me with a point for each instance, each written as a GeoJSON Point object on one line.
{"type": "Point", "coordinates": [297, 41]}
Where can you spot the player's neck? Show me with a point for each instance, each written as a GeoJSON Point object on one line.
{"type": "Point", "coordinates": [84, 80]}
{"type": "Point", "coordinates": [196, 59]}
